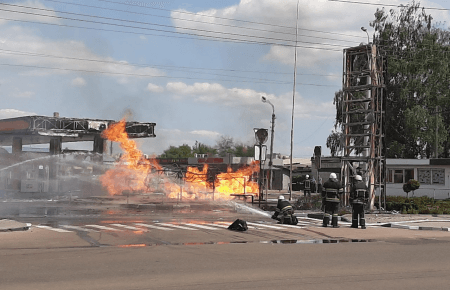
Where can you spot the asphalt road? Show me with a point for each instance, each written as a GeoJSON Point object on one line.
{"type": "Point", "coordinates": [194, 250]}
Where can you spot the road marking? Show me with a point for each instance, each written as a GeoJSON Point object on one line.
{"type": "Point", "coordinates": [263, 225]}
{"type": "Point", "coordinates": [202, 226]}
{"type": "Point", "coordinates": [78, 228]}
{"type": "Point", "coordinates": [153, 227]}
{"type": "Point", "coordinates": [53, 229]}
{"type": "Point", "coordinates": [103, 228]}
{"type": "Point", "coordinates": [219, 225]}
{"type": "Point", "coordinates": [127, 227]}
{"type": "Point", "coordinates": [291, 226]}
{"type": "Point", "coordinates": [176, 226]}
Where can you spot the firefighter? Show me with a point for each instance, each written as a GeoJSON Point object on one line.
{"type": "Point", "coordinates": [359, 196]}
{"type": "Point", "coordinates": [307, 189]}
{"type": "Point", "coordinates": [286, 212]}
{"type": "Point", "coordinates": [331, 192]}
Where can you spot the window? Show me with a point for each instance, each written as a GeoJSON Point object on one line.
{"type": "Point", "coordinates": [409, 174]}
{"type": "Point", "coordinates": [399, 175]}
{"type": "Point", "coordinates": [431, 176]}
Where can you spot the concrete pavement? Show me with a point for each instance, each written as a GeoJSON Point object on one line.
{"type": "Point", "coordinates": [7, 225]}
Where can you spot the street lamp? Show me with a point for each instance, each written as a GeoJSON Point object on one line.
{"type": "Point", "coordinates": [365, 30]}
{"type": "Point", "coordinates": [264, 100]}
{"type": "Point", "coordinates": [269, 183]}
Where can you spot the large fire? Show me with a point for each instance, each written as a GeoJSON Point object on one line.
{"type": "Point", "coordinates": [134, 173]}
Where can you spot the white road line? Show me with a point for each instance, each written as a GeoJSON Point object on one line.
{"type": "Point", "coordinates": [103, 228]}
{"type": "Point", "coordinates": [219, 225]}
{"type": "Point", "coordinates": [176, 226]}
{"type": "Point", "coordinates": [153, 227]}
{"type": "Point", "coordinates": [201, 226]}
{"type": "Point", "coordinates": [263, 225]}
{"type": "Point", "coordinates": [54, 229]}
{"type": "Point", "coordinates": [127, 227]}
{"type": "Point", "coordinates": [291, 226]}
{"type": "Point", "coordinates": [78, 228]}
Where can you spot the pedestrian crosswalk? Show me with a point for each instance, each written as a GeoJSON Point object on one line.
{"type": "Point", "coordinates": [173, 226]}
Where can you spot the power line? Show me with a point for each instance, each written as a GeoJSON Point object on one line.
{"type": "Point", "coordinates": [388, 5]}
{"type": "Point", "coordinates": [129, 21]}
{"type": "Point", "coordinates": [119, 63]}
{"type": "Point", "coordinates": [168, 67]}
{"type": "Point", "coordinates": [197, 21]}
{"type": "Point", "coordinates": [153, 76]}
{"type": "Point", "coordinates": [224, 18]}
{"type": "Point", "coordinates": [160, 30]}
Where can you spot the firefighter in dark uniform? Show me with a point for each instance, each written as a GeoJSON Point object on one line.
{"type": "Point", "coordinates": [331, 192]}
{"type": "Point", "coordinates": [285, 211]}
{"type": "Point", "coordinates": [359, 197]}
{"type": "Point", "coordinates": [307, 189]}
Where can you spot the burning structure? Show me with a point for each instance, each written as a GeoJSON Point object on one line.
{"type": "Point", "coordinates": [136, 173]}
{"type": "Point", "coordinates": [42, 172]}
{"type": "Point", "coordinates": [60, 171]}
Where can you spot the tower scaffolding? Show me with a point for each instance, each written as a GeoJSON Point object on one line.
{"type": "Point", "coordinates": [363, 119]}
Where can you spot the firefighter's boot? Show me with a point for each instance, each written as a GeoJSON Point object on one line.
{"type": "Point", "coordinates": [334, 221]}
{"type": "Point", "coordinates": [354, 220]}
{"type": "Point", "coordinates": [326, 220]}
{"type": "Point", "coordinates": [362, 222]}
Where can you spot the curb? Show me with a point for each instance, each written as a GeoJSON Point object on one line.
{"type": "Point", "coordinates": [420, 228]}
{"type": "Point", "coordinates": [319, 216]}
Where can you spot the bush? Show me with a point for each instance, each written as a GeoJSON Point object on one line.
{"type": "Point", "coordinates": [411, 185]}
{"type": "Point", "coordinates": [417, 205]}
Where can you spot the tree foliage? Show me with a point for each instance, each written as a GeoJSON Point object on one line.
{"type": "Point", "coordinates": [417, 84]}
{"type": "Point", "coordinates": [417, 53]}
{"type": "Point", "coordinates": [225, 145]}
{"type": "Point", "coordinates": [182, 151]}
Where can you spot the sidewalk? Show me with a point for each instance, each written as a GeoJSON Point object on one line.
{"type": "Point", "coordinates": [10, 225]}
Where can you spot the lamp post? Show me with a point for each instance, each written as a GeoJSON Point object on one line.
{"type": "Point", "coordinates": [365, 30]}
{"type": "Point", "coordinates": [264, 100]}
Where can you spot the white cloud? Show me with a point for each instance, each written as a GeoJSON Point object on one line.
{"type": "Point", "coordinates": [206, 133]}
{"type": "Point", "coordinates": [154, 88]}
{"type": "Point", "coordinates": [78, 82]}
{"type": "Point", "coordinates": [68, 53]}
{"type": "Point", "coordinates": [13, 113]}
{"type": "Point", "coordinates": [321, 24]}
{"type": "Point", "coordinates": [27, 13]}
{"type": "Point", "coordinates": [25, 94]}
{"type": "Point", "coordinates": [216, 93]}
{"type": "Point", "coordinates": [142, 37]}
{"type": "Point", "coordinates": [176, 137]}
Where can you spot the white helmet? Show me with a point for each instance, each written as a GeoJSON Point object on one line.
{"type": "Point", "coordinates": [281, 197]}
{"type": "Point", "coordinates": [333, 176]}
{"type": "Point", "coordinates": [307, 176]}
{"type": "Point", "coordinates": [358, 177]}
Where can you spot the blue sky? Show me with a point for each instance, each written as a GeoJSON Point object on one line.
{"type": "Point", "coordinates": [193, 87]}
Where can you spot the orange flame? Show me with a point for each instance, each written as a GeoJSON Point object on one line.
{"type": "Point", "coordinates": [134, 172]}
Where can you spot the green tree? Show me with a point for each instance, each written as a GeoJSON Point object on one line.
{"type": "Point", "coordinates": [417, 83]}
{"type": "Point", "coordinates": [417, 80]}
{"type": "Point", "coordinates": [183, 151]}
{"type": "Point", "coordinates": [200, 148]}
{"type": "Point", "coordinates": [225, 145]}
{"type": "Point", "coordinates": [242, 150]}
{"type": "Point", "coordinates": [334, 142]}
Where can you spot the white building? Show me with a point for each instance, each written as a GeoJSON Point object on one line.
{"type": "Point", "coordinates": [433, 175]}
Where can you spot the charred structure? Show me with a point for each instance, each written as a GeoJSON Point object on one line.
{"type": "Point", "coordinates": [40, 174]}
{"type": "Point", "coordinates": [363, 109]}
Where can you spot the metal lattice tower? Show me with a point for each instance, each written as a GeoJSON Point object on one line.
{"type": "Point", "coordinates": [363, 118]}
